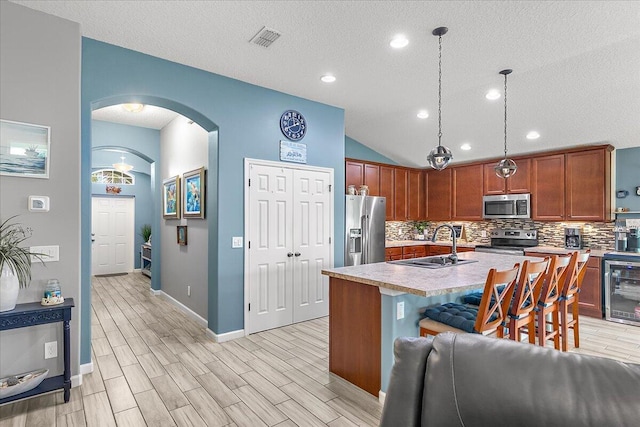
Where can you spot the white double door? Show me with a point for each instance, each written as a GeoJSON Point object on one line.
{"type": "Point", "coordinates": [289, 217]}
{"type": "Point", "coordinates": [112, 231]}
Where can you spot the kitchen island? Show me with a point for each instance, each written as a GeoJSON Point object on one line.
{"type": "Point", "coordinates": [371, 305]}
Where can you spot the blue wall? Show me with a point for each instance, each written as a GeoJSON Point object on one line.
{"type": "Point", "coordinates": [628, 177]}
{"type": "Point", "coordinates": [355, 150]}
{"type": "Point", "coordinates": [245, 120]}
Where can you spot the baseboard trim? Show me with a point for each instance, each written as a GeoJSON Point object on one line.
{"type": "Point", "coordinates": [154, 292]}
{"type": "Point", "coordinates": [227, 336]}
{"type": "Point", "coordinates": [192, 314]}
{"type": "Point", "coordinates": [86, 368]}
{"type": "Point", "coordinates": [76, 381]}
{"type": "Point", "coordinates": [381, 396]}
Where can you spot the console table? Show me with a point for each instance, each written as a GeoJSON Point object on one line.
{"type": "Point", "coordinates": [32, 314]}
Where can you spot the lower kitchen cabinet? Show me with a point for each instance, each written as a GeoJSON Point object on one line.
{"type": "Point", "coordinates": [590, 302]}
{"type": "Point", "coordinates": [393, 254]}
{"type": "Point", "coordinates": [414, 251]}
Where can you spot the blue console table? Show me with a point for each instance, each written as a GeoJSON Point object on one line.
{"type": "Point", "coordinates": [32, 314]}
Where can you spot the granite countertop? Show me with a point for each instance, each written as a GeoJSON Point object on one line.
{"type": "Point", "coordinates": [426, 281]}
{"type": "Point", "coordinates": [561, 251]}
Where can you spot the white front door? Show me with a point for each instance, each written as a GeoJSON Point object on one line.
{"type": "Point", "coordinates": [112, 228]}
{"type": "Point", "coordinates": [289, 230]}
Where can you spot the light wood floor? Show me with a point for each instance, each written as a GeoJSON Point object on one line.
{"type": "Point", "coordinates": [154, 366]}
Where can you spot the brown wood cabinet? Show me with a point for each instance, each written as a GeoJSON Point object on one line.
{"type": "Point", "coordinates": [467, 193]}
{"type": "Point", "coordinates": [387, 185]}
{"type": "Point", "coordinates": [518, 183]}
{"type": "Point", "coordinates": [444, 250]}
{"type": "Point", "coordinates": [415, 195]}
{"type": "Point", "coordinates": [414, 251]}
{"type": "Point", "coordinates": [590, 298]}
{"type": "Point", "coordinates": [400, 194]}
{"type": "Point", "coordinates": [588, 185]}
{"type": "Point", "coordinates": [438, 191]}
{"type": "Point", "coordinates": [547, 188]}
{"type": "Point", "coordinates": [392, 254]}
{"type": "Point", "coordinates": [372, 178]}
{"type": "Point", "coordinates": [354, 174]}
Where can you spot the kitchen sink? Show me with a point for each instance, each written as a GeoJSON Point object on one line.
{"type": "Point", "coordinates": [432, 262]}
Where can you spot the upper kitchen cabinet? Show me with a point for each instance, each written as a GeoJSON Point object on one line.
{"type": "Point", "coordinates": [387, 186]}
{"type": "Point", "coordinates": [547, 187]}
{"type": "Point", "coordinates": [372, 178]}
{"type": "Point", "coordinates": [588, 191]}
{"type": "Point", "coordinates": [438, 194]}
{"type": "Point", "coordinates": [415, 195]}
{"type": "Point", "coordinates": [354, 174]}
{"type": "Point", "coordinates": [518, 183]}
{"type": "Point", "coordinates": [400, 196]}
{"type": "Point", "coordinates": [467, 194]}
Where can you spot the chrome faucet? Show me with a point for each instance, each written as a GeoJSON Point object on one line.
{"type": "Point", "coordinates": [454, 255]}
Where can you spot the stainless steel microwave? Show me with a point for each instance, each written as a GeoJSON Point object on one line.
{"type": "Point", "coordinates": [506, 206]}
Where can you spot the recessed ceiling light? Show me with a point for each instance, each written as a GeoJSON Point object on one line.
{"type": "Point", "coordinates": [533, 135]}
{"type": "Point", "coordinates": [328, 78]}
{"type": "Point", "coordinates": [465, 147]}
{"type": "Point", "coordinates": [493, 94]}
{"type": "Point", "coordinates": [423, 114]}
{"type": "Point", "coordinates": [399, 41]}
{"type": "Point", "coordinates": [133, 108]}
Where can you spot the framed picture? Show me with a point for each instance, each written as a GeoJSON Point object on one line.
{"type": "Point", "coordinates": [193, 193]}
{"type": "Point", "coordinates": [181, 232]}
{"type": "Point", "coordinates": [171, 198]}
{"type": "Point", "coordinates": [24, 149]}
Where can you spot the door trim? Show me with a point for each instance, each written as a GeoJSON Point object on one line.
{"type": "Point", "coordinates": [247, 163]}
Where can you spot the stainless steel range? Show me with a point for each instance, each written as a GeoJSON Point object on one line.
{"type": "Point", "coordinates": [510, 241]}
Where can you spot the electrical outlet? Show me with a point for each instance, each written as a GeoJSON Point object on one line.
{"type": "Point", "coordinates": [188, 290]}
{"type": "Point", "coordinates": [483, 233]}
{"type": "Point", "coordinates": [400, 310]}
{"type": "Point", "coordinates": [50, 350]}
{"type": "Point", "coordinates": [399, 232]}
{"type": "Point", "coordinates": [236, 242]}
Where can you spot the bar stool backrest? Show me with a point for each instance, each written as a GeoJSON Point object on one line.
{"type": "Point", "coordinates": [574, 274]}
{"type": "Point", "coordinates": [491, 312]}
{"type": "Point", "coordinates": [532, 275]}
{"type": "Point", "coordinates": [550, 290]}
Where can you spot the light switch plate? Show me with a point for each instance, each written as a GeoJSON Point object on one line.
{"type": "Point", "coordinates": [400, 310]}
{"type": "Point", "coordinates": [49, 253]}
{"type": "Point", "coordinates": [236, 242]}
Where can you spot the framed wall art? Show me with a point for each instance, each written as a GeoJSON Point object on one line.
{"type": "Point", "coordinates": [193, 194]}
{"type": "Point", "coordinates": [181, 235]}
{"type": "Point", "coordinates": [171, 198]}
{"type": "Point", "coordinates": [24, 149]}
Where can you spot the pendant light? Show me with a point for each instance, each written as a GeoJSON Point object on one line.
{"type": "Point", "coordinates": [506, 167]}
{"type": "Point", "coordinates": [440, 156]}
{"type": "Point", "coordinates": [122, 166]}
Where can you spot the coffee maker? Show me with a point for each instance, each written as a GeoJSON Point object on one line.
{"type": "Point", "coordinates": [573, 238]}
{"type": "Point", "coordinates": [633, 240]}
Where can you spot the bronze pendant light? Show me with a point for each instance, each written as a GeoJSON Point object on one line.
{"type": "Point", "coordinates": [506, 167]}
{"type": "Point", "coordinates": [440, 156]}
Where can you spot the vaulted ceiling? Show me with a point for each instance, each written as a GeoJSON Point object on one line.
{"type": "Point", "coordinates": [576, 77]}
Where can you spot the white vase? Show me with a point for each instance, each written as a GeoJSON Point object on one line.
{"type": "Point", "coordinates": [9, 289]}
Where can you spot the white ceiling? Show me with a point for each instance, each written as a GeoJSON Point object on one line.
{"type": "Point", "coordinates": [576, 64]}
{"type": "Point", "coordinates": [150, 117]}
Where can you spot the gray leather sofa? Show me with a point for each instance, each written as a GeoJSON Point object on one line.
{"type": "Point", "coordinates": [470, 380]}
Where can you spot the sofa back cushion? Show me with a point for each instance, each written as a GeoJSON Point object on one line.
{"type": "Point", "coordinates": [471, 380]}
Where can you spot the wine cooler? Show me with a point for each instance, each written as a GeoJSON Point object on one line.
{"type": "Point", "coordinates": [622, 288]}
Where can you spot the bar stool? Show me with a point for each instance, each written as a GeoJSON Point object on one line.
{"type": "Point", "coordinates": [570, 297]}
{"type": "Point", "coordinates": [521, 312]}
{"type": "Point", "coordinates": [548, 302]}
{"type": "Point", "coordinates": [485, 319]}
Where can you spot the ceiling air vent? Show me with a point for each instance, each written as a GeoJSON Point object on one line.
{"type": "Point", "coordinates": [265, 37]}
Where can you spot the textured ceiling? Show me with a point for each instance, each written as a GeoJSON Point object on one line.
{"type": "Point", "coordinates": [150, 117]}
{"type": "Point", "coordinates": [576, 64]}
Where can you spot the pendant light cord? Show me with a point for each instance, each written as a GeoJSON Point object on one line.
{"type": "Point", "coordinates": [440, 90]}
{"type": "Point", "coordinates": [505, 116]}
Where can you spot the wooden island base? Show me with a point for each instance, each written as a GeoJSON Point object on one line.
{"type": "Point", "coordinates": [355, 333]}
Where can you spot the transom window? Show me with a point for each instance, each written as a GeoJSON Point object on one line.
{"type": "Point", "coordinates": [112, 176]}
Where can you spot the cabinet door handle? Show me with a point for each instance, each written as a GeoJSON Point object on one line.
{"type": "Point", "coordinates": [289, 254]}
{"type": "Point", "coordinates": [297, 254]}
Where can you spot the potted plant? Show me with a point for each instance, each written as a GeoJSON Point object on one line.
{"type": "Point", "coordinates": [15, 262]}
{"type": "Point", "coordinates": [145, 232]}
{"type": "Point", "coordinates": [420, 227]}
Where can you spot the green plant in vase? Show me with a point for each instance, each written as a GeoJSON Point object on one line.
{"type": "Point", "coordinates": [145, 232]}
{"type": "Point", "coordinates": [15, 262]}
{"type": "Point", "coordinates": [421, 226]}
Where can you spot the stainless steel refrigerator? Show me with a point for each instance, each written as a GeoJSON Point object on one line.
{"type": "Point", "coordinates": [364, 229]}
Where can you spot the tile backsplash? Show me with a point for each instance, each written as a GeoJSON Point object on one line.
{"type": "Point", "coordinates": [596, 235]}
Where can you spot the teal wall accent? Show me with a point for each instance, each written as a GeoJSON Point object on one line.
{"type": "Point", "coordinates": [356, 150]}
{"type": "Point", "coordinates": [628, 177]}
{"type": "Point", "coordinates": [246, 118]}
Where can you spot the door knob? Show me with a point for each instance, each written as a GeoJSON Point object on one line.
{"type": "Point", "coordinates": [297, 254]}
{"type": "Point", "coordinates": [289, 254]}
